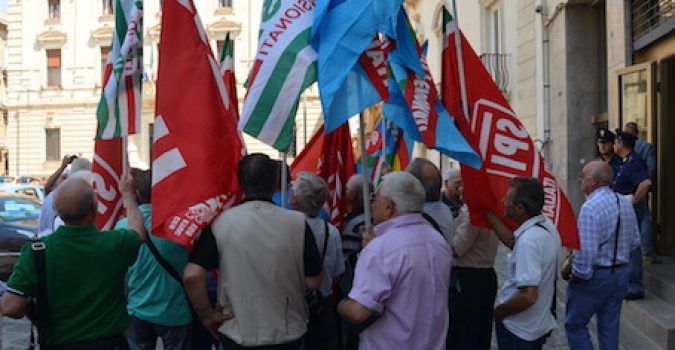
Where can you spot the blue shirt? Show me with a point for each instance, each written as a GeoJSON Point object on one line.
{"type": "Point", "coordinates": [615, 164]}
{"type": "Point", "coordinates": [48, 214]}
{"type": "Point", "coordinates": [631, 173]}
{"type": "Point", "coordinates": [597, 222]}
{"type": "Point", "coordinates": [155, 296]}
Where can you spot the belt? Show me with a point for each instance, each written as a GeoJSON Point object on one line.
{"type": "Point", "coordinates": [598, 267]}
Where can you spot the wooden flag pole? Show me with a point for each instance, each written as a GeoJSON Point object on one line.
{"type": "Point", "coordinates": [364, 168]}
{"type": "Point", "coordinates": [284, 180]}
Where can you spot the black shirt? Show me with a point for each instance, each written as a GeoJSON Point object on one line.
{"type": "Point", "coordinates": [205, 253]}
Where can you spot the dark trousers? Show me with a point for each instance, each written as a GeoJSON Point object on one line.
{"type": "Point", "coordinates": [142, 335]}
{"type": "Point", "coordinates": [227, 344]}
{"type": "Point", "coordinates": [509, 341]}
{"type": "Point", "coordinates": [113, 342]}
{"type": "Point", "coordinates": [472, 298]}
{"type": "Point", "coordinates": [322, 330]}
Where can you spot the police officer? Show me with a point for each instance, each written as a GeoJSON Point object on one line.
{"type": "Point", "coordinates": [632, 181]}
{"type": "Point", "coordinates": [605, 141]}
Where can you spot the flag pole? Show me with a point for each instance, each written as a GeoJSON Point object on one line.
{"type": "Point", "coordinates": [364, 167]}
{"type": "Point", "coordinates": [460, 61]}
{"type": "Point", "coordinates": [284, 180]}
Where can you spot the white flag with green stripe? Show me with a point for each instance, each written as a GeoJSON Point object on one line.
{"type": "Point", "coordinates": [119, 111]}
{"type": "Point", "coordinates": [285, 65]}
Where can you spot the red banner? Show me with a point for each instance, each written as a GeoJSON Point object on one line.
{"type": "Point", "coordinates": [500, 138]}
{"type": "Point", "coordinates": [196, 146]}
{"type": "Point", "coordinates": [106, 171]}
{"type": "Point", "coordinates": [332, 158]}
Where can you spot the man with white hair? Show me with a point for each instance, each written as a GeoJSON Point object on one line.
{"type": "Point", "coordinates": [452, 181]}
{"type": "Point", "coordinates": [403, 274]}
{"type": "Point", "coordinates": [309, 194]}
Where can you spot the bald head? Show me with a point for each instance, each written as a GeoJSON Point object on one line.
{"type": "Point", "coordinates": [599, 170]}
{"type": "Point", "coordinates": [428, 174]}
{"type": "Point", "coordinates": [75, 202]}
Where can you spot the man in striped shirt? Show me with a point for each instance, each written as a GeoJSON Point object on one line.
{"type": "Point", "coordinates": [608, 232]}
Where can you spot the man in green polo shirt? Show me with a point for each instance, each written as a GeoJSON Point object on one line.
{"type": "Point", "coordinates": [85, 271]}
{"type": "Point", "coordinates": [157, 307]}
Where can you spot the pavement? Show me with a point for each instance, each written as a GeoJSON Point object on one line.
{"type": "Point", "coordinates": [15, 333]}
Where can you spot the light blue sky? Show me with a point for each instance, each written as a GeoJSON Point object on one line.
{"type": "Point", "coordinates": [3, 5]}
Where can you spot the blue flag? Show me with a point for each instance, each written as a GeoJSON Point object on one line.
{"type": "Point", "coordinates": [343, 30]}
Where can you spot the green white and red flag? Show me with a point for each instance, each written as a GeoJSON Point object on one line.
{"type": "Point", "coordinates": [227, 71]}
{"type": "Point", "coordinates": [119, 111]}
{"type": "Point", "coordinates": [284, 66]}
{"type": "Point", "coordinates": [495, 132]}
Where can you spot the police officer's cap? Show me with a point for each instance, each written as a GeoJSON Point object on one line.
{"type": "Point", "coordinates": [604, 135]}
{"type": "Point", "coordinates": [622, 135]}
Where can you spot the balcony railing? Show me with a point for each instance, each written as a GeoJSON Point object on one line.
{"type": "Point", "coordinates": [651, 19]}
{"type": "Point", "coordinates": [497, 65]}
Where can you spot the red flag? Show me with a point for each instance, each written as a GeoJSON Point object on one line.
{"type": "Point", "coordinates": [332, 158]}
{"type": "Point", "coordinates": [500, 138]}
{"type": "Point", "coordinates": [106, 172]}
{"type": "Point", "coordinates": [196, 146]}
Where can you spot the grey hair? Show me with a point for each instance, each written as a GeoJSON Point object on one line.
{"type": "Point", "coordinates": [80, 164]}
{"type": "Point", "coordinates": [451, 173]}
{"type": "Point", "coordinates": [405, 190]}
{"type": "Point", "coordinates": [310, 192]}
{"type": "Point", "coordinates": [355, 186]}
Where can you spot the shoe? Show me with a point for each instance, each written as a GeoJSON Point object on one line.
{"type": "Point", "coordinates": [634, 296]}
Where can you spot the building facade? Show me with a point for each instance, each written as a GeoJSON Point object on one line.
{"type": "Point", "coordinates": [56, 53]}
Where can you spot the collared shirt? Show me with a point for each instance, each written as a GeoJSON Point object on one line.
{"type": "Point", "coordinates": [473, 246]}
{"type": "Point", "coordinates": [47, 215]}
{"type": "Point", "coordinates": [615, 164]}
{"type": "Point", "coordinates": [597, 224]}
{"type": "Point", "coordinates": [404, 274]}
{"type": "Point", "coordinates": [532, 263]}
{"type": "Point", "coordinates": [333, 262]}
{"type": "Point", "coordinates": [443, 217]}
{"type": "Point", "coordinates": [453, 207]}
{"type": "Point", "coordinates": [631, 173]}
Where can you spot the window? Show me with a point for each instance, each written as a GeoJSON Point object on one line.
{"type": "Point", "coordinates": [54, 67]}
{"type": "Point", "coordinates": [494, 32]}
{"type": "Point", "coordinates": [107, 7]}
{"type": "Point", "coordinates": [151, 137]}
{"type": "Point", "coordinates": [225, 3]}
{"type": "Point", "coordinates": [54, 9]}
{"type": "Point", "coordinates": [53, 144]}
{"type": "Point", "coordinates": [105, 50]}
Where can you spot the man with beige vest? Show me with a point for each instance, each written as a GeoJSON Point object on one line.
{"type": "Point", "coordinates": [267, 257]}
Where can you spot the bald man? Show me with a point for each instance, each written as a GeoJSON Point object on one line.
{"type": "Point", "coordinates": [599, 278]}
{"type": "Point", "coordinates": [430, 177]}
{"type": "Point", "coordinates": [85, 271]}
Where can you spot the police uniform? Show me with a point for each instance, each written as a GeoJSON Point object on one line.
{"type": "Point", "coordinates": [632, 172]}
{"type": "Point", "coordinates": [606, 136]}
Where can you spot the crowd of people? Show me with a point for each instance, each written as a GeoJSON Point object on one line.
{"type": "Point", "coordinates": [271, 275]}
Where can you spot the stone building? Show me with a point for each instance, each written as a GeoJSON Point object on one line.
{"type": "Point", "coordinates": [56, 51]}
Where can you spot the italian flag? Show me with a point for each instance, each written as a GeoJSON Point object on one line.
{"type": "Point", "coordinates": [285, 65]}
{"type": "Point", "coordinates": [227, 72]}
{"type": "Point", "coordinates": [119, 111]}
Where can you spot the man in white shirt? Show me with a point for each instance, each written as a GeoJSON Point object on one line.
{"type": "Point", "coordinates": [524, 316]}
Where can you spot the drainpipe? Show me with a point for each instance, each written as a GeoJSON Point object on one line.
{"type": "Point", "coordinates": [544, 80]}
